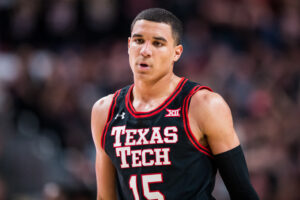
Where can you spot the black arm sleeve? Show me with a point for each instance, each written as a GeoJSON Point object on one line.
{"type": "Point", "coordinates": [234, 172]}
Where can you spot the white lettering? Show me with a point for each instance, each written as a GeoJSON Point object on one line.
{"type": "Point", "coordinates": [117, 131]}
{"type": "Point", "coordinates": [123, 152]}
{"type": "Point", "coordinates": [129, 137]}
{"type": "Point", "coordinates": [144, 157]}
{"type": "Point", "coordinates": [142, 134]}
{"type": "Point", "coordinates": [156, 136]}
{"type": "Point", "coordinates": [173, 113]}
{"type": "Point", "coordinates": [164, 156]}
{"type": "Point", "coordinates": [170, 134]}
{"type": "Point", "coordinates": [136, 158]}
{"type": "Point", "coordinates": [126, 138]}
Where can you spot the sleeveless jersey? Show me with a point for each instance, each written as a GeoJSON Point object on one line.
{"type": "Point", "coordinates": [155, 154]}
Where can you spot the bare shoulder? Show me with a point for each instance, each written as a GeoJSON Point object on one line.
{"type": "Point", "coordinates": [102, 105]}
{"type": "Point", "coordinates": [208, 101]}
{"type": "Point", "coordinates": [213, 117]}
{"type": "Point", "coordinates": [209, 108]}
{"type": "Point", "coordinates": [99, 116]}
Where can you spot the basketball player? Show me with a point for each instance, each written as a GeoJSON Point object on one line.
{"type": "Point", "coordinates": [164, 136]}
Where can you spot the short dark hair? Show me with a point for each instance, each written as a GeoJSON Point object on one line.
{"type": "Point", "coordinates": [164, 16]}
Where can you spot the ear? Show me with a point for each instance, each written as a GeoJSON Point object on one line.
{"type": "Point", "coordinates": [178, 52]}
{"type": "Point", "coordinates": [129, 39]}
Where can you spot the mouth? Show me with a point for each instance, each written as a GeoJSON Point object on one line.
{"type": "Point", "coordinates": [143, 65]}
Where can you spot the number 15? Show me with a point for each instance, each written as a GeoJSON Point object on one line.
{"type": "Point", "coordinates": [147, 179]}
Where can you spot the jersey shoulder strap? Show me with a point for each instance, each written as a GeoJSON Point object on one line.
{"type": "Point", "coordinates": [110, 115]}
{"type": "Point", "coordinates": [188, 90]}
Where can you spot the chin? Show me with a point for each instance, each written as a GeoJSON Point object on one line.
{"type": "Point", "coordinates": [143, 76]}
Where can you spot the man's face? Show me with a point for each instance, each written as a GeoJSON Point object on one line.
{"type": "Point", "coordinates": [152, 50]}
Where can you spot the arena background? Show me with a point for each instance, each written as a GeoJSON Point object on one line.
{"type": "Point", "coordinates": [57, 57]}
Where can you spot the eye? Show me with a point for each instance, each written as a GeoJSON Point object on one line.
{"type": "Point", "coordinates": [157, 44]}
{"type": "Point", "coordinates": [139, 41]}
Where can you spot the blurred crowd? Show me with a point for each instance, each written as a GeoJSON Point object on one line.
{"type": "Point", "coordinates": [57, 57]}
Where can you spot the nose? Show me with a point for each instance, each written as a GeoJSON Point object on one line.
{"type": "Point", "coordinates": [146, 49]}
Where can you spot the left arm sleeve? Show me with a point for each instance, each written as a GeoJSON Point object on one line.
{"type": "Point", "coordinates": [234, 172]}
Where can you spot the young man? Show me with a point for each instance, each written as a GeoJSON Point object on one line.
{"type": "Point", "coordinates": [164, 137]}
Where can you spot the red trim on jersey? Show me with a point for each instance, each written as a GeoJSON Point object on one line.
{"type": "Point", "coordinates": [186, 123]}
{"type": "Point", "coordinates": [159, 108]}
{"type": "Point", "coordinates": [187, 119]}
{"type": "Point", "coordinates": [109, 117]}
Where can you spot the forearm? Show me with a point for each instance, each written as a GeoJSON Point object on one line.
{"type": "Point", "coordinates": [234, 172]}
{"type": "Point", "coordinates": [99, 197]}
{"type": "Point", "coordinates": [106, 191]}
{"type": "Point", "coordinates": [105, 174]}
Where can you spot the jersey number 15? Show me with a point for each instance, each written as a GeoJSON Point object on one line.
{"type": "Point", "coordinates": [147, 179]}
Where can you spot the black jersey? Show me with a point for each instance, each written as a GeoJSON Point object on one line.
{"type": "Point", "coordinates": [155, 154]}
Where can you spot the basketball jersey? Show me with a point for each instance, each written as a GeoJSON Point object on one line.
{"type": "Point", "coordinates": [155, 154]}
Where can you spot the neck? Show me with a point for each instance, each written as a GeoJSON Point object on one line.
{"type": "Point", "coordinates": [149, 90]}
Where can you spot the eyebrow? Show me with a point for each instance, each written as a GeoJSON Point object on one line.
{"type": "Point", "coordinates": [156, 38]}
{"type": "Point", "coordinates": [160, 38]}
{"type": "Point", "coordinates": [137, 35]}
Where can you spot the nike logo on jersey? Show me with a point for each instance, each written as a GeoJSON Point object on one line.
{"type": "Point", "coordinates": [120, 115]}
{"type": "Point", "coordinates": [173, 112]}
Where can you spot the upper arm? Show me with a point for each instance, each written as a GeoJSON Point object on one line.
{"type": "Point", "coordinates": [99, 116]}
{"type": "Point", "coordinates": [105, 171]}
{"type": "Point", "coordinates": [214, 119]}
